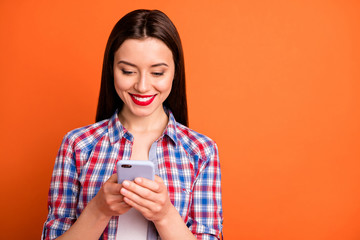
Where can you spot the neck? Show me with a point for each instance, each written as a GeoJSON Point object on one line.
{"type": "Point", "coordinates": [157, 121]}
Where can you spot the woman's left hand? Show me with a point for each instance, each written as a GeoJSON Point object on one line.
{"type": "Point", "coordinates": [149, 197]}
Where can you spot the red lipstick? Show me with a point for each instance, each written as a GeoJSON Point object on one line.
{"type": "Point", "coordinates": [142, 100]}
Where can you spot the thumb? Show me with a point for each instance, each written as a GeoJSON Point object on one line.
{"type": "Point", "coordinates": [158, 179]}
{"type": "Point", "coordinates": [113, 178]}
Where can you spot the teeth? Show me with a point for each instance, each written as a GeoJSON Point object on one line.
{"type": "Point", "coordinates": [143, 99]}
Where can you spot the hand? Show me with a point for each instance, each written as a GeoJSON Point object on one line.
{"type": "Point", "coordinates": [150, 198]}
{"type": "Point", "coordinates": [109, 200]}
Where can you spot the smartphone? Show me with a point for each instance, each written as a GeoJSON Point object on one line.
{"type": "Point", "coordinates": [131, 169]}
{"type": "Point", "coordinates": [132, 225]}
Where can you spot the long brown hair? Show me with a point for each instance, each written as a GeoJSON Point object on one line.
{"type": "Point", "coordinates": [140, 24]}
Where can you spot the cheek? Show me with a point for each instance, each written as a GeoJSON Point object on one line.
{"type": "Point", "coordinates": [120, 87]}
{"type": "Point", "coordinates": [120, 84]}
{"type": "Point", "coordinates": [165, 86]}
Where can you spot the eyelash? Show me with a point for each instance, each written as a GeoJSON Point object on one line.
{"type": "Point", "coordinates": [156, 74]}
{"type": "Point", "coordinates": [126, 72]}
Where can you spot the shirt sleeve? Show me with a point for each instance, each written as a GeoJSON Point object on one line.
{"type": "Point", "coordinates": [205, 219]}
{"type": "Point", "coordinates": [63, 193]}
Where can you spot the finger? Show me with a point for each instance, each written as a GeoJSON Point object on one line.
{"type": "Point", "coordinates": [138, 203]}
{"type": "Point", "coordinates": [119, 208]}
{"type": "Point", "coordinates": [124, 205]}
{"type": "Point", "coordinates": [149, 184]}
{"type": "Point", "coordinates": [143, 210]}
{"type": "Point", "coordinates": [139, 190]}
{"type": "Point", "coordinates": [140, 195]}
{"type": "Point", "coordinates": [159, 180]}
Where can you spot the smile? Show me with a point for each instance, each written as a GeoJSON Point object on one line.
{"type": "Point", "coordinates": [142, 100]}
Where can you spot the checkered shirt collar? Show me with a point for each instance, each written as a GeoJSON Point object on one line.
{"type": "Point", "coordinates": [118, 131]}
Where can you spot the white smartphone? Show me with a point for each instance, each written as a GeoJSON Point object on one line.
{"type": "Point", "coordinates": [132, 224]}
{"type": "Point", "coordinates": [131, 169]}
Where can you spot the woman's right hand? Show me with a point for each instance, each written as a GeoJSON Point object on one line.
{"type": "Point", "coordinates": [95, 217]}
{"type": "Point", "coordinates": [109, 200]}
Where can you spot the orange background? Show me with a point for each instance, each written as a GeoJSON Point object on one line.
{"type": "Point", "coordinates": [274, 83]}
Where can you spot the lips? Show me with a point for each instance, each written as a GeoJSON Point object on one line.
{"type": "Point", "coordinates": [142, 100]}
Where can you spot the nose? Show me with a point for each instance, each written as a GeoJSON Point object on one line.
{"type": "Point", "coordinates": [143, 83]}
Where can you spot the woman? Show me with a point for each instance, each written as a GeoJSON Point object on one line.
{"type": "Point", "coordinates": [141, 115]}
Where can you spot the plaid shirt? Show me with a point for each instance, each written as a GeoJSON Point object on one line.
{"type": "Point", "coordinates": [186, 160]}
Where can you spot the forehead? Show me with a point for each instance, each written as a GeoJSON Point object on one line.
{"type": "Point", "coordinates": [147, 50]}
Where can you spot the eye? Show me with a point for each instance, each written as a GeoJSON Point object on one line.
{"type": "Point", "coordinates": [125, 72]}
{"type": "Point", "coordinates": [158, 74]}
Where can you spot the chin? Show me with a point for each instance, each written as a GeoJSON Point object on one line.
{"type": "Point", "coordinates": [142, 112]}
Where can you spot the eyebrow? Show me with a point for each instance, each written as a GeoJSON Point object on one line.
{"type": "Point", "coordinates": [159, 64]}
{"type": "Point", "coordinates": [133, 65]}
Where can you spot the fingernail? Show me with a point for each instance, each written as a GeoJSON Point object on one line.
{"type": "Point", "coordinates": [138, 180]}
{"type": "Point", "coordinates": [123, 191]}
{"type": "Point", "coordinates": [126, 183]}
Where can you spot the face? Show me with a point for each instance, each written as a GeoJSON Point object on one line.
{"type": "Point", "coordinates": [143, 74]}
